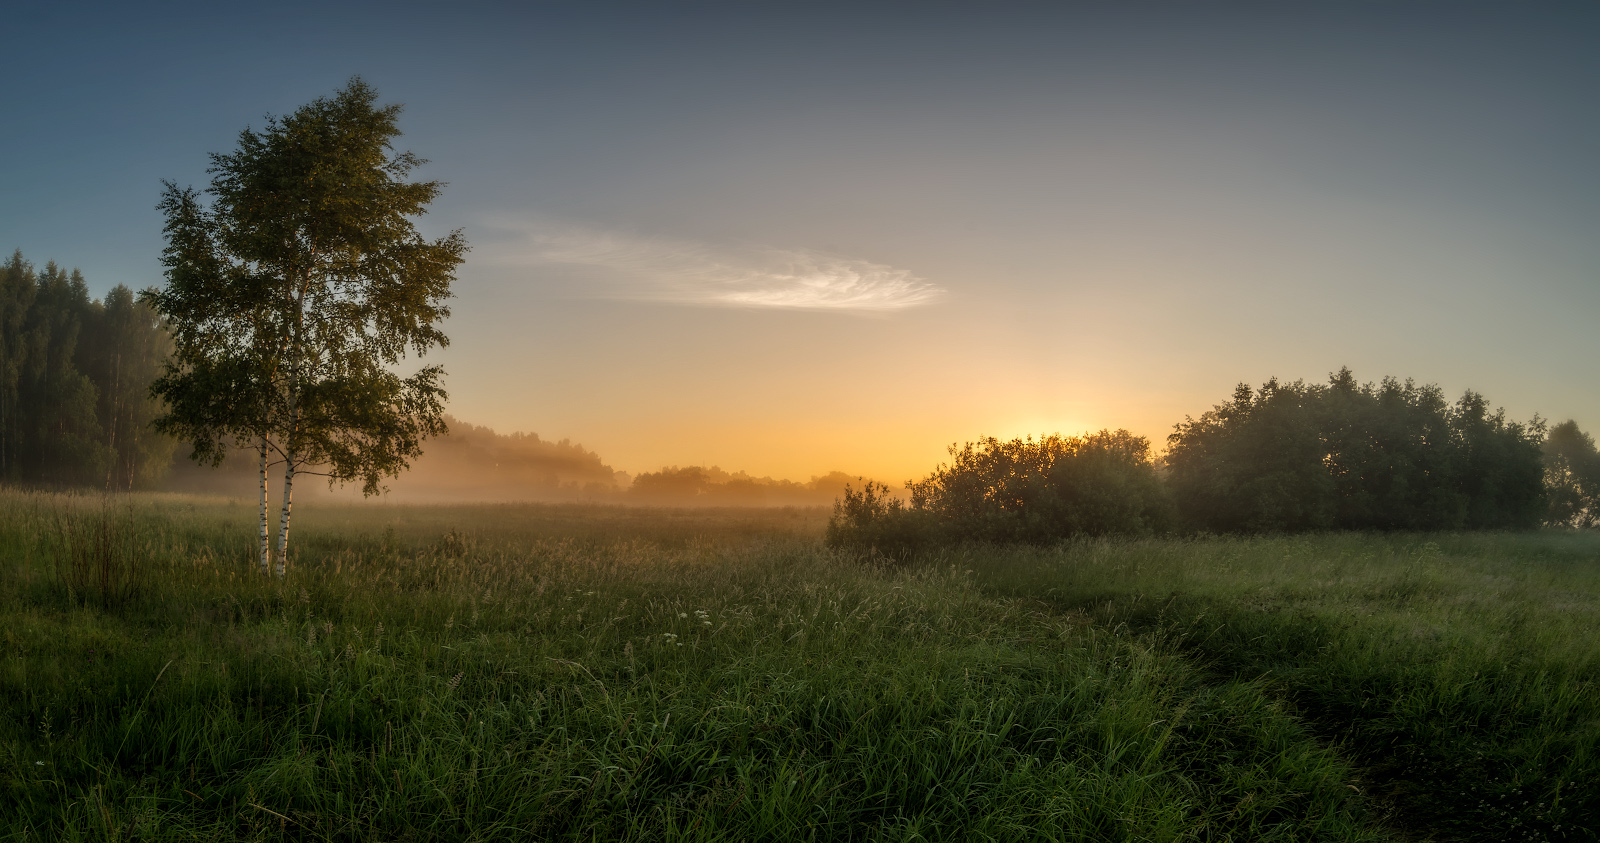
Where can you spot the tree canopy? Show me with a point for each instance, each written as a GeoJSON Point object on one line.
{"type": "Point", "coordinates": [1344, 455]}
{"type": "Point", "coordinates": [1572, 477]}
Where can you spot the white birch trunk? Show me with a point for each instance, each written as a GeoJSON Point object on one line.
{"type": "Point", "coordinates": [283, 522]}
{"type": "Point", "coordinates": [264, 545]}
{"type": "Point", "coordinates": [291, 435]}
{"type": "Point", "coordinates": [288, 494]}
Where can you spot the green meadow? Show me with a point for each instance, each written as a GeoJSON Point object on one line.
{"type": "Point", "coordinates": [568, 672]}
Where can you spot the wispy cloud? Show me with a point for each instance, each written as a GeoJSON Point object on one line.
{"type": "Point", "coordinates": [658, 269]}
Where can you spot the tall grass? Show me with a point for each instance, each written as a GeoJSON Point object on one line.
{"type": "Point", "coordinates": [1462, 672]}
{"type": "Point", "coordinates": [569, 672]}
{"type": "Point", "coordinates": [664, 677]}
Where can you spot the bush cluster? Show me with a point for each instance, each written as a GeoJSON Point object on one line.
{"type": "Point", "coordinates": [1287, 457]}
{"type": "Point", "coordinates": [1018, 491]}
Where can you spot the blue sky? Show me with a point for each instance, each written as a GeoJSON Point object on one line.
{"type": "Point", "coordinates": [798, 238]}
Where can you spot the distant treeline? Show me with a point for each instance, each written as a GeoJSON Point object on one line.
{"type": "Point", "coordinates": [715, 487]}
{"type": "Point", "coordinates": [75, 375]}
{"type": "Point", "coordinates": [1286, 457]}
{"type": "Point", "coordinates": [478, 463]}
{"type": "Point", "coordinates": [75, 411]}
{"type": "Point", "coordinates": [475, 461]}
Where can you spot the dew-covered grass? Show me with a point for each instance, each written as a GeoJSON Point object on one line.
{"type": "Point", "coordinates": [1460, 672]}
{"type": "Point", "coordinates": [522, 672]}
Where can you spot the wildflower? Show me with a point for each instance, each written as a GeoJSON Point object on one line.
{"type": "Point", "coordinates": [683, 614]}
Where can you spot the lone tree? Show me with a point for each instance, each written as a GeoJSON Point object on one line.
{"type": "Point", "coordinates": [294, 294]}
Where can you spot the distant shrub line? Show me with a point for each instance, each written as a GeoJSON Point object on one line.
{"type": "Point", "coordinates": [1287, 457]}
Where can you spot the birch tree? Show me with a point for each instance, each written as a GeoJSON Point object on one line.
{"type": "Point", "coordinates": [297, 292]}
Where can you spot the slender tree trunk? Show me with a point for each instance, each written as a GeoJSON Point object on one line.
{"type": "Point", "coordinates": [283, 522]}
{"type": "Point", "coordinates": [291, 436]}
{"type": "Point", "coordinates": [264, 544]}
{"type": "Point", "coordinates": [288, 494]}
{"type": "Point", "coordinates": [5, 431]}
{"type": "Point", "coordinates": [111, 425]}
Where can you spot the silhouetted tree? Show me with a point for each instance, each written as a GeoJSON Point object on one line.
{"type": "Point", "coordinates": [1572, 477]}
{"type": "Point", "coordinates": [1385, 451]}
{"type": "Point", "coordinates": [1343, 455]}
{"type": "Point", "coordinates": [1500, 473]}
{"type": "Point", "coordinates": [672, 484]}
{"type": "Point", "coordinates": [1255, 462]}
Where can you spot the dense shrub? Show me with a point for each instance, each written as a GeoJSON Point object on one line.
{"type": "Point", "coordinates": [874, 519]}
{"type": "Point", "coordinates": [1017, 491]}
{"type": "Point", "coordinates": [1395, 455]}
{"type": "Point", "coordinates": [1058, 487]}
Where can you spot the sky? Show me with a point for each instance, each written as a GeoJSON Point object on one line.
{"type": "Point", "coordinates": [790, 238]}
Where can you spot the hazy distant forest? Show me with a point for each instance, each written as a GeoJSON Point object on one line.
{"type": "Point", "coordinates": [1285, 457]}
{"type": "Point", "coordinates": [75, 376]}
{"type": "Point", "coordinates": [75, 411]}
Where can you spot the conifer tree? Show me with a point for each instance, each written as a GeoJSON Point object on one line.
{"type": "Point", "coordinates": [74, 373]}
{"type": "Point", "coordinates": [18, 288]}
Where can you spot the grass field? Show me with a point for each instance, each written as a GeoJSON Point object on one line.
{"type": "Point", "coordinates": [589, 673]}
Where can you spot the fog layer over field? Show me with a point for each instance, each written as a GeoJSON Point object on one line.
{"type": "Point", "coordinates": [475, 464]}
